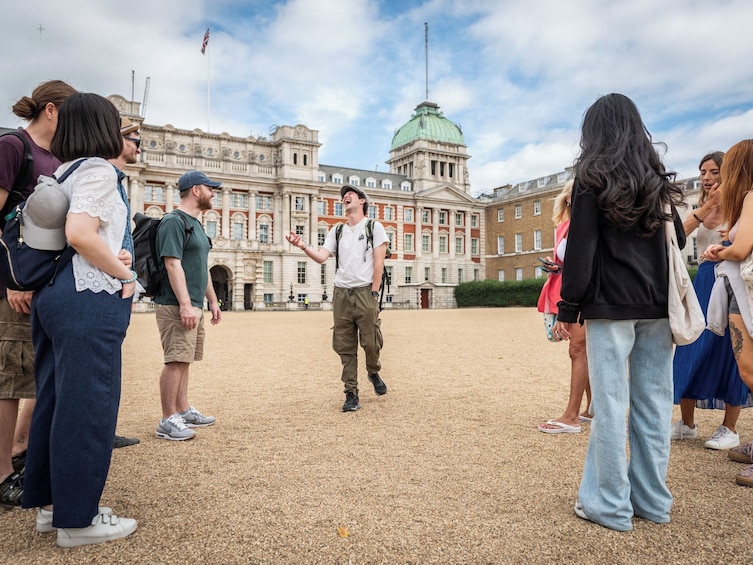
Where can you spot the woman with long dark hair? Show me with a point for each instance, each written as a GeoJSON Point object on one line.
{"type": "Point", "coordinates": [78, 326]}
{"type": "Point", "coordinates": [705, 371]}
{"type": "Point", "coordinates": [616, 280]}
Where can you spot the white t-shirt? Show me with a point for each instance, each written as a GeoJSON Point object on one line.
{"type": "Point", "coordinates": [356, 266]}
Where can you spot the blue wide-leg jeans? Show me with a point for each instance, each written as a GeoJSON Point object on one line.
{"type": "Point", "coordinates": [630, 369]}
{"type": "Point", "coordinates": [77, 343]}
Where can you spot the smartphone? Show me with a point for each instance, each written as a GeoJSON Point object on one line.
{"type": "Point", "coordinates": [548, 263]}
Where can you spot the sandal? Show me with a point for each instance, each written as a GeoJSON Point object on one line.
{"type": "Point", "coordinates": [11, 491]}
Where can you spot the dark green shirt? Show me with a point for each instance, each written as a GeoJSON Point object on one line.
{"type": "Point", "coordinates": [193, 251]}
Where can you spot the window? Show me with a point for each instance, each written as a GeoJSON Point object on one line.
{"type": "Point", "coordinates": [238, 201]}
{"type": "Point", "coordinates": [321, 236]}
{"type": "Point", "coordinates": [500, 245]}
{"type": "Point", "coordinates": [387, 184]}
{"type": "Point", "coordinates": [216, 201]}
{"type": "Point", "coordinates": [425, 243]}
{"type": "Point", "coordinates": [408, 275]}
{"type": "Point", "coordinates": [459, 245]}
{"type": "Point", "coordinates": [408, 242]}
{"type": "Point", "coordinates": [268, 298]}
{"type": "Point", "coordinates": [501, 215]}
{"type": "Point", "coordinates": [370, 183]}
{"type": "Point", "coordinates": [237, 230]}
{"type": "Point", "coordinates": [537, 207]}
{"type": "Point", "coordinates": [263, 202]}
{"type": "Point", "coordinates": [300, 203]}
{"type": "Point", "coordinates": [537, 240]}
{"type": "Point", "coordinates": [475, 274]}
{"type": "Point", "coordinates": [460, 276]}
{"type": "Point", "coordinates": [427, 273]}
{"type": "Point", "coordinates": [442, 218]}
{"type": "Point", "coordinates": [372, 212]}
{"type": "Point", "coordinates": [519, 274]}
{"type": "Point", "coordinates": [538, 272]}
{"type": "Point", "coordinates": [561, 177]}
{"type": "Point", "coordinates": [407, 214]}
{"type": "Point", "coordinates": [405, 186]}
{"type": "Point", "coordinates": [425, 216]}
{"type": "Point", "coordinates": [389, 213]}
{"type": "Point", "coordinates": [211, 228]}
{"type": "Point", "coordinates": [501, 275]}
{"type": "Point", "coordinates": [266, 269]}
{"type": "Point", "coordinates": [338, 208]}
{"type": "Point", "coordinates": [323, 274]}
{"type": "Point", "coordinates": [263, 233]}
{"type": "Point", "coordinates": [295, 158]}
{"type": "Point", "coordinates": [518, 242]}
{"type": "Point", "coordinates": [459, 219]}
{"type": "Point", "coordinates": [474, 247]}
{"type": "Point", "coordinates": [443, 244]}
{"type": "Point", "coordinates": [444, 275]}
{"type": "Point", "coordinates": [474, 220]}
{"type": "Point", "coordinates": [321, 208]}
{"type": "Point", "coordinates": [154, 194]}
{"type": "Point", "coordinates": [354, 181]}
{"type": "Point", "coordinates": [518, 211]}
{"type": "Point", "coordinates": [541, 183]}
{"type": "Point", "coordinates": [301, 272]}
{"type": "Point", "coordinates": [299, 230]}
{"type": "Point", "coordinates": [337, 179]}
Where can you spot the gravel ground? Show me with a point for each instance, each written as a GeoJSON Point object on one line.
{"type": "Point", "coordinates": [448, 467]}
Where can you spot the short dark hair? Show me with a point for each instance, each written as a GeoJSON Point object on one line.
{"type": "Point", "coordinates": [88, 126]}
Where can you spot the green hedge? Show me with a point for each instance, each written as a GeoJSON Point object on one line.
{"type": "Point", "coordinates": [495, 293]}
{"type": "Point", "coordinates": [508, 293]}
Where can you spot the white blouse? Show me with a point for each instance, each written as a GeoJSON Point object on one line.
{"type": "Point", "coordinates": [93, 189]}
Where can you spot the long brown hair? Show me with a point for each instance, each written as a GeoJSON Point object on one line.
{"type": "Point", "coordinates": [737, 179]}
{"type": "Point", "coordinates": [53, 91]}
{"type": "Point", "coordinates": [718, 158]}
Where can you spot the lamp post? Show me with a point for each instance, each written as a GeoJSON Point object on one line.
{"type": "Point", "coordinates": [291, 297]}
{"type": "Point", "coordinates": [324, 295]}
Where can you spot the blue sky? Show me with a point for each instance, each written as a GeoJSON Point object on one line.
{"type": "Point", "coordinates": [516, 76]}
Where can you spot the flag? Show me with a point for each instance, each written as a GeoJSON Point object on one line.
{"type": "Point", "coordinates": [205, 42]}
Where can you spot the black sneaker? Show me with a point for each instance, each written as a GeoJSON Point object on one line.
{"type": "Point", "coordinates": [19, 462]}
{"type": "Point", "coordinates": [351, 402]}
{"type": "Point", "coordinates": [379, 387]}
{"type": "Point", "coordinates": [12, 490]}
{"type": "Point", "coordinates": [122, 441]}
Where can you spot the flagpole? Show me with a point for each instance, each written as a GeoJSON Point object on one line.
{"type": "Point", "coordinates": [208, 86]}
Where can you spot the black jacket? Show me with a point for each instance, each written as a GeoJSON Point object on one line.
{"type": "Point", "coordinates": [612, 274]}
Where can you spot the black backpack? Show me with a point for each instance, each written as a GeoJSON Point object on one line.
{"type": "Point", "coordinates": [147, 263]}
{"type": "Point", "coordinates": [23, 178]}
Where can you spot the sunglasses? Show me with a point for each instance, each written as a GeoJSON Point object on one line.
{"type": "Point", "coordinates": [135, 141]}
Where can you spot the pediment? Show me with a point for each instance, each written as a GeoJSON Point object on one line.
{"type": "Point", "coordinates": [446, 193]}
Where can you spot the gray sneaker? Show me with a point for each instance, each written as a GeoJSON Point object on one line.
{"type": "Point", "coordinates": [195, 419]}
{"type": "Point", "coordinates": [174, 428]}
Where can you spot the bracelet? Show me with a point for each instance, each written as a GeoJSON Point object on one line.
{"type": "Point", "coordinates": [303, 248]}
{"type": "Point", "coordinates": [132, 279]}
{"type": "Point", "coordinates": [700, 221]}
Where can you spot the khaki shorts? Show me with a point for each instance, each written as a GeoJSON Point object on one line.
{"type": "Point", "coordinates": [179, 344]}
{"type": "Point", "coordinates": [16, 354]}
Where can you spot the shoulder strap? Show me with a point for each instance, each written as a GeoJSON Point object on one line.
{"type": "Point", "coordinates": [23, 178]}
{"type": "Point", "coordinates": [338, 235]}
{"type": "Point", "coordinates": [68, 171]}
{"type": "Point", "coordinates": [369, 234]}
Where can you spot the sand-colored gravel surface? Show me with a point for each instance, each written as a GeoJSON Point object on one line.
{"type": "Point", "coordinates": [447, 468]}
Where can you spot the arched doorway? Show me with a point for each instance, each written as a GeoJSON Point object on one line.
{"type": "Point", "coordinates": [220, 279]}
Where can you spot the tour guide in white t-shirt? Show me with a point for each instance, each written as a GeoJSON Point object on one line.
{"type": "Point", "coordinates": [356, 297]}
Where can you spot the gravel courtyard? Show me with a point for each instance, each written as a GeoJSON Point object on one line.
{"type": "Point", "coordinates": [447, 468]}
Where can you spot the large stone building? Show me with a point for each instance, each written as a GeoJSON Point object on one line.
{"type": "Point", "coordinates": [273, 185]}
{"type": "Point", "coordinates": [520, 229]}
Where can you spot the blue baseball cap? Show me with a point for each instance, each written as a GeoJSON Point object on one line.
{"type": "Point", "coordinates": [193, 178]}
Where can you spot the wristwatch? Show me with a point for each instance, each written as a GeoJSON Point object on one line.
{"type": "Point", "coordinates": [375, 293]}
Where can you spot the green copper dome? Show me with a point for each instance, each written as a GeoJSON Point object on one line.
{"type": "Point", "coordinates": [428, 123]}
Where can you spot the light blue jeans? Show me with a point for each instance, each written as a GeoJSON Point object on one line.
{"type": "Point", "coordinates": [630, 366]}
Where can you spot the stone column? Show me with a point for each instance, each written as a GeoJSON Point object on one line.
{"type": "Point", "coordinates": [435, 233]}
{"type": "Point", "coordinates": [251, 214]}
{"type": "Point", "coordinates": [468, 235]}
{"type": "Point", "coordinates": [171, 194]}
{"type": "Point", "coordinates": [453, 227]}
{"type": "Point", "coordinates": [281, 219]}
{"type": "Point", "coordinates": [313, 220]}
{"type": "Point", "coordinates": [418, 237]}
{"type": "Point", "coordinates": [225, 213]}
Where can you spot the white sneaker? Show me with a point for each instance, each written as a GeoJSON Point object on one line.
{"type": "Point", "coordinates": [104, 527]}
{"type": "Point", "coordinates": [174, 428]}
{"type": "Point", "coordinates": [44, 519]}
{"type": "Point", "coordinates": [723, 438]}
{"type": "Point", "coordinates": [681, 431]}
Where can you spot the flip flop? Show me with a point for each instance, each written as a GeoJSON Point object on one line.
{"type": "Point", "coordinates": [585, 418]}
{"type": "Point", "coordinates": [560, 429]}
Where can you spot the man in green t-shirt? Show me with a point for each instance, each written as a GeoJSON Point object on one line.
{"type": "Point", "coordinates": [184, 247]}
